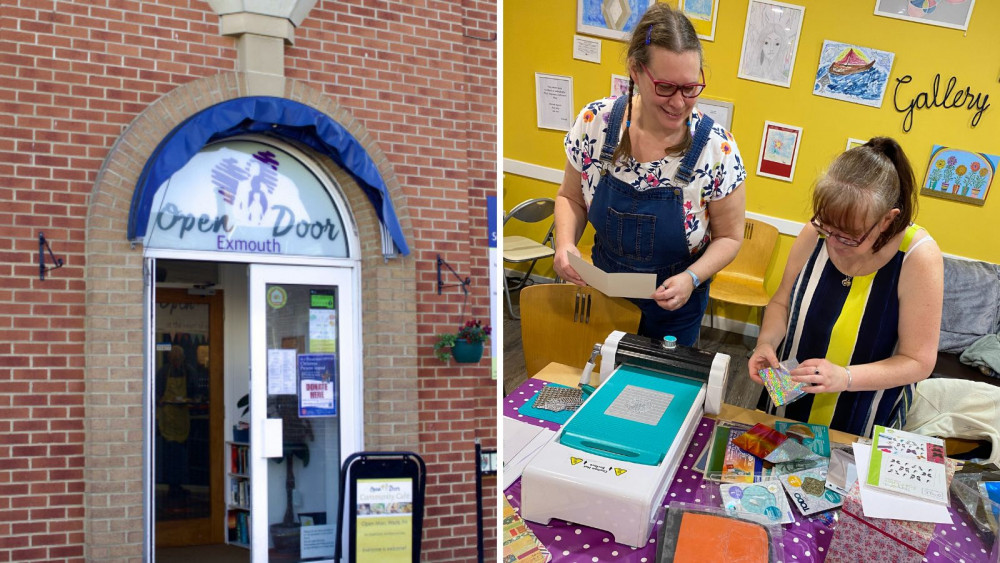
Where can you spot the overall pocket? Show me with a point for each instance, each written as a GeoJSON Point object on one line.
{"type": "Point", "coordinates": [631, 234]}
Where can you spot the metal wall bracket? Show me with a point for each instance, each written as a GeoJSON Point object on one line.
{"type": "Point", "coordinates": [43, 245]}
{"type": "Point", "coordinates": [441, 285]}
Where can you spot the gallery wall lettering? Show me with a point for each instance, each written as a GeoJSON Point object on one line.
{"type": "Point", "coordinates": [948, 98]}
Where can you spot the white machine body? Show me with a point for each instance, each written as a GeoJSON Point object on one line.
{"type": "Point", "coordinates": [620, 497]}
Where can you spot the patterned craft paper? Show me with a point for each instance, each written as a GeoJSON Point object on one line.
{"type": "Point", "coordinates": [780, 386]}
{"type": "Point", "coordinates": [519, 543]}
{"type": "Point", "coordinates": [896, 540]}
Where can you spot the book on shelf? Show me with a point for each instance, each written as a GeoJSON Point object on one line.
{"type": "Point", "coordinates": [239, 459]}
{"type": "Point", "coordinates": [908, 464]}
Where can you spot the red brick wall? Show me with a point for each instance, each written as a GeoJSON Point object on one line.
{"type": "Point", "coordinates": [418, 76]}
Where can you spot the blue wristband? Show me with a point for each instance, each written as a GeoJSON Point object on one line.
{"type": "Point", "coordinates": [694, 277]}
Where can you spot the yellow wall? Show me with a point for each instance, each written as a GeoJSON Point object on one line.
{"type": "Point", "coordinates": [541, 40]}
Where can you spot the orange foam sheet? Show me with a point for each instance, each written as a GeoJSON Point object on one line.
{"type": "Point", "coordinates": [707, 537]}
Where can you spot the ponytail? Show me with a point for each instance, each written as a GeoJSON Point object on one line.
{"type": "Point", "coordinates": [906, 201]}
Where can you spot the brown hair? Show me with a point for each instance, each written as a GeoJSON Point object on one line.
{"type": "Point", "coordinates": [871, 180]}
{"type": "Point", "coordinates": [661, 27]}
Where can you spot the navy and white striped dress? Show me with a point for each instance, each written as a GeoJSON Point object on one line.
{"type": "Point", "coordinates": [847, 325]}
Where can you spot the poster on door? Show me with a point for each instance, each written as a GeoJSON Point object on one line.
{"type": "Point", "coordinates": [385, 520]}
{"type": "Point", "coordinates": [317, 385]}
{"type": "Point", "coordinates": [322, 330]}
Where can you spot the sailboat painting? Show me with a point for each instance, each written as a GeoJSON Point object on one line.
{"type": "Point", "coordinates": [853, 74]}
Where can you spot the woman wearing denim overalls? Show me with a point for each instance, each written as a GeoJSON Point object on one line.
{"type": "Point", "coordinates": [648, 172]}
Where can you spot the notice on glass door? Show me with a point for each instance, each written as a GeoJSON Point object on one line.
{"type": "Point", "coordinates": [322, 330]}
{"type": "Point", "coordinates": [280, 372]}
{"type": "Point", "coordinates": [385, 520]}
{"type": "Point", "coordinates": [317, 385]}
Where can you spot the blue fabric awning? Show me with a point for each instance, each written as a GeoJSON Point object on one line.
{"type": "Point", "coordinates": [262, 114]}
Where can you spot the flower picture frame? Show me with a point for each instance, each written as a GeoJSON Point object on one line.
{"type": "Point", "coordinates": [959, 175]}
{"type": "Point", "coordinates": [779, 151]}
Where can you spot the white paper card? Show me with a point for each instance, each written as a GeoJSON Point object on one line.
{"type": "Point", "coordinates": [554, 101]}
{"type": "Point", "coordinates": [638, 286]}
{"type": "Point", "coordinates": [878, 504]}
{"type": "Point", "coordinates": [586, 49]}
{"type": "Point", "coordinates": [317, 541]}
{"type": "Point", "coordinates": [516, 435]}
{"type": "Point", "coordinates": [513, 469]}
{"type": "Point", "coordinates": [281, 371]}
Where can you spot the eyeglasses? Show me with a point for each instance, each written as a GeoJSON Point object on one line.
{"type": "Point", "coordinates": [846, 241]}
{"type": "Point", "coordinates": [666, 89]}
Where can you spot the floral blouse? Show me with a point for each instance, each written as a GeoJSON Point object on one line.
{"type": "Point", "coordinates": [718, 173]}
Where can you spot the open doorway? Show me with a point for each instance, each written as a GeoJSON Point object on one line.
{"type": "Point", "coordinates": [189, 395]}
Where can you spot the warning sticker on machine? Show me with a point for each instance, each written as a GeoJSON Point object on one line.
{"type": "Point", "coordinates": [618, 471]}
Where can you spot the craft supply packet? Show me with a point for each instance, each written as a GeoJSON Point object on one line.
{"type": "Point", "coordinates": [764, 501]}
{"type": "Point", "coordinates": [842, 473]}
{"type": "Point", "coordinates": [779, 384]}
{"type": "Point", "coordinates": [816, 437]}
{"type": "Point", "coordinates": [808, 491]}
{"type": "Point", "coordinates": [760, 440]}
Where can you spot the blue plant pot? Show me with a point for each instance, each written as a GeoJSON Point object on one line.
{"type": "Point", "coordinates": [466, 352]}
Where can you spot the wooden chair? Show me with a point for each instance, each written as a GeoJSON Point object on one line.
{"type": "Point", "coordinates": [561, 323]}
{"type": "Point", "coordinates": [742, 281]}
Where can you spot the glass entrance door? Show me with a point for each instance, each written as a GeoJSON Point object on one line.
{"type": "Point", "coordinates": [305, 407]}
{"type": "Point", "coordinates": [188, 418]}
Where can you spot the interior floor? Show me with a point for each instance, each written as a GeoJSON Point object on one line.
{"type": "Point", "coordinates": [219, 553]}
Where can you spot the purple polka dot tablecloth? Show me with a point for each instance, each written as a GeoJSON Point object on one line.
{"type": "Point", "coordinates": [806, 539]}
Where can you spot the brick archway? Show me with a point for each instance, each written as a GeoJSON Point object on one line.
{"type": "Point", "coordinates": [114, 424]}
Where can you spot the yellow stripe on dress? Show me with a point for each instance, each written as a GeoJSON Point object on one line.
{"type": "Point", "coordinates": [842, 340]}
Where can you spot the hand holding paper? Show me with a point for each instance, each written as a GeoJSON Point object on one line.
{"type": "Point", "coordinates": [636, 286]}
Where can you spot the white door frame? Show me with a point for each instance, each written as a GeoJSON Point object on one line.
{"type": "Point", "coordinates": [265, 434]}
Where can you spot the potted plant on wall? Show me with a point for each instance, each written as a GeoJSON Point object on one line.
{"type": "Point", "coordinates": [466, 346]}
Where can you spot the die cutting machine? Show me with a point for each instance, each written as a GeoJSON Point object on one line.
{"type": "Point", "coordinates": [610, 465]}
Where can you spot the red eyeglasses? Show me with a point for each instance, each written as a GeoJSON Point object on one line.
{"type": "Point", "coordinates": [666, 88]}
{"type": "Point", "coordinates": [846, 241]}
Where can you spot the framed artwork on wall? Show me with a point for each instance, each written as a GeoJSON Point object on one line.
{"type": "Point", "coordinates": [852, 142]}
{"type": "Point", "coordinates": [770, 40]}
{"type": "Point", "coordinates": [959, 175]}
{"type": "Point", "coordinates": [721, 111]}
{"type": "Point", "coordinates": [614, 19]}
{"type": "Point", "coordinates": [619, 85]}
{"type": "Point", "coordinates": [945, 13]}
{"type": "Point", "coordinates": [779, 149]}
{"type": "Point", "coordinates": [852, 74]}
{"type": "Point", "coordinates": [703, 15]}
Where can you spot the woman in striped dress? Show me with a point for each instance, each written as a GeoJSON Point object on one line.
{"type": "Point", "coordinates": [859, 305]}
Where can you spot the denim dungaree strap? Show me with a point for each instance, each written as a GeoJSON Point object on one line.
{"type": "Point", "coordinates": [644, 231]}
